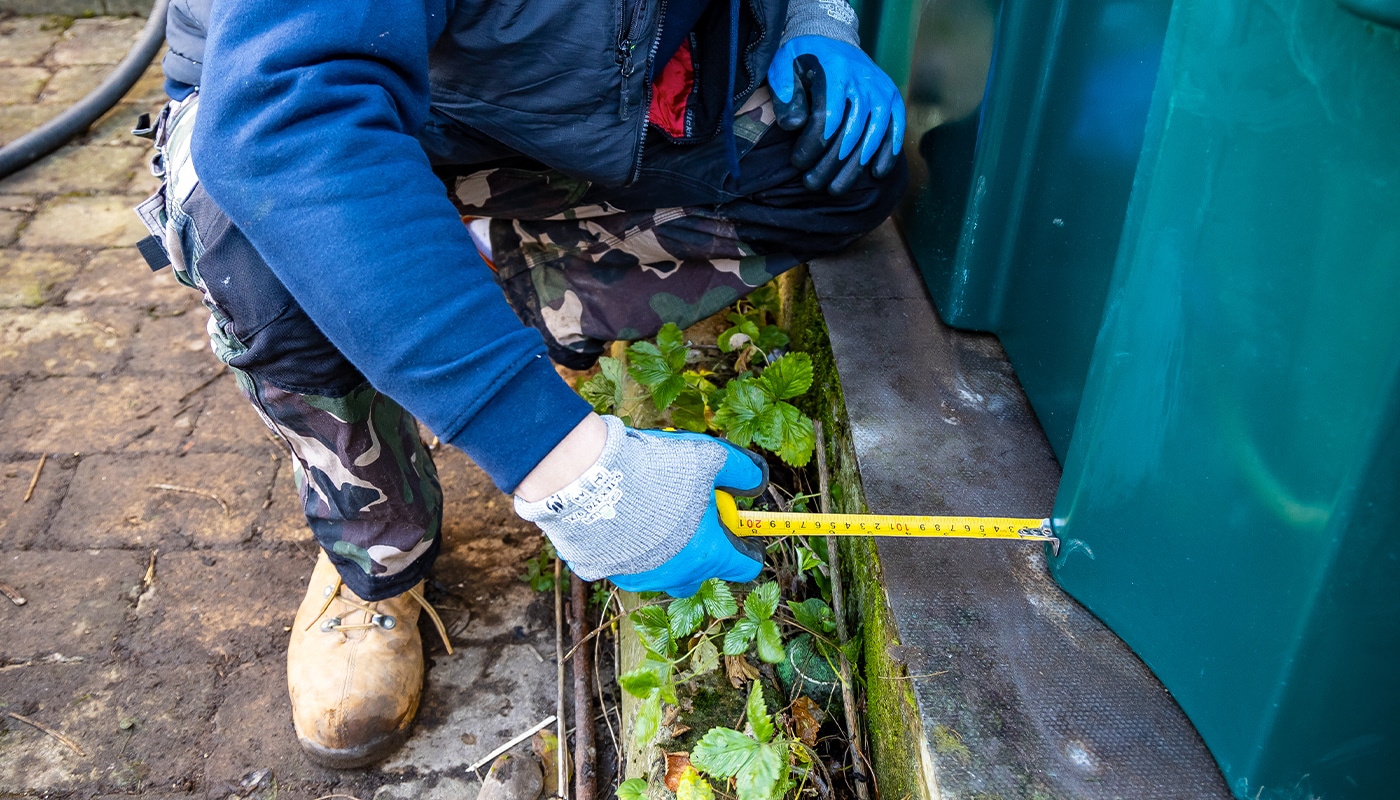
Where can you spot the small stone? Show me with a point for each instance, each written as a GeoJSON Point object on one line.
{"type": "Point", "coordinates": [513, 777]}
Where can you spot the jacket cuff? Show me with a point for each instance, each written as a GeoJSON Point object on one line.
{"type": "Point", "coordinates": [524, 420]}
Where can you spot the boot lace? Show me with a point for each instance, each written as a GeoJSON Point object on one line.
{"type": "Point", "coordinates": [372, 615]}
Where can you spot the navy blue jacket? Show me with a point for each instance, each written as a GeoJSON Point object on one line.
{"type": "Point", "coordinates": [306, 138]}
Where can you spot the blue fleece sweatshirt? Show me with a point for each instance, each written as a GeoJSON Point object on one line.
{"type": "Point", "coordinates": [305, 138]}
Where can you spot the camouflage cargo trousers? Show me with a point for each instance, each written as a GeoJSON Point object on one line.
{"type": "Point", "coordinates": [587, 265]}
{"type": "Point", "coordinates": [582, 264]}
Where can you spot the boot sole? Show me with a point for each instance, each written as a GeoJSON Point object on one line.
{"type": "Point", "coordinates": [353, 757]}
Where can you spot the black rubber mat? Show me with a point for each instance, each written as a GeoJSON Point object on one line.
{"type": "Point", "coordinates": [1022, 692]}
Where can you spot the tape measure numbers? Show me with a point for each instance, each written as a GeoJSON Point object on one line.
{"type": "Point", "coordinates": [777, 523]}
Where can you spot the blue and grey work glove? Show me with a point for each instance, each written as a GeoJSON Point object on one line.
{"type": "Point", "coordinates": [644, 515]}
{"type": "Point", "coordinates": [832, 87]}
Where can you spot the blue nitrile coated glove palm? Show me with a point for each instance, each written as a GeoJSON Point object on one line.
{"type": "Point", "coordinates": [843, 94]}
{"type": "Point", "coordinates": [644, 515]}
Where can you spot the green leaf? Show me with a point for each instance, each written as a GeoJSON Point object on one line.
{"type": "Point", "coordinates": [688, 410]}
{"type": "Point", "coordinates": [670, 340]}
{"type": "Point", "coordinates": [814, 615]}
{"type": "Point", "coordinates": [639, 682]}
{"type": "Point", "coordinates": [647, 365]}
{"type": "Point", "coordinates": [691, 786]}
{"type": "Point", "coordinates": [704, 657]}
{"type": "Point", "coordinates": [788, 377]}
{"type": "Point", "coordinates": [633, 789]}
{"type": "Point", "coordinates": [740, 412]}
{"type": "Point", "coordinates": [604, 390]}
{"type": "Point", "coordinates": [723, 752]}
{"type": "Point", "coordinates": [648, 721]}
{"type": "Point", "coordinates": [808, 560]}
{"type": "Point", "coordinates": [743, 332]}
{"type": "Point", "coordinates": [654, 628]}
{"type": "Point", "coordinates": [770, 642]}
{"type": "Point", "coordinates": [771, 338]}
{"type": "Point", "coordinates": [799, 438]}
{"type": "Point", "coordinates": [757, 711]}
{"type": "Point", "coordinates": [762, 601]}
{"type": "Point", "coordinates": [658, 366]}
{"type": "Point", "coordinates": [737, 638]}
{"type": "Point", "coordinates": [718, 600]}
{"type": "Point", "coordinates": [851, 650]}
{"type": "Point", "coordinates": [685, 615]}
{"type": "Point", "coordinates": [759, 778]}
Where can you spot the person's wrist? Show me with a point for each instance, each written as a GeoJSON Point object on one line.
{"type": "Point", "coordinates": [569, 459]}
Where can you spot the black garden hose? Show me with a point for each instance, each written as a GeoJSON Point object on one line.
{"type": "Point", "coordinates": [78, 117]}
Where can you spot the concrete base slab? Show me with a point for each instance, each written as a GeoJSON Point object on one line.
{"type": "Point", "coordinates": [987, 680]}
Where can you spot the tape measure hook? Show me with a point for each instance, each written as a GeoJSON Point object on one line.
{"type": "Point", "coordinates": [1045, 533]}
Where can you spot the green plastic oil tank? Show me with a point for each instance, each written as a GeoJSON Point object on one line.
{"type": "Point", "coordinates": [1026, 121]}
{"type": "Point", "coordinates": [1183, 222]}
{"type": "Point", "coordinates": [1230, 494]}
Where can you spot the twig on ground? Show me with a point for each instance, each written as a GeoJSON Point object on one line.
{"type": "Point", "coordinates": [585, 751]}
{"type": "Point", "coordinates": [491, 756]}
{"type": "Point", "coordinates": [56, 658]}
{"type": "Point", "coordinates": [562, 755]}
{"type": "Point", "coordinates": [55, 734]}
{"type": "Point", "coordinates": [329, 796]}
{"type": "Point", "coordinates": [14, 595]}
{"type": "Point", "coordinates": [196, 390]}
{"type": "Point", "coordinates": [598, 679]}
{"type": "Point", "coordinates": [187, 490]}
{"type": "Point", "coordinates": [34, 481]}
{"type": "Point", "coordinates": [838, 607]}
{"type": "Point", "coordinates": [150, 576]}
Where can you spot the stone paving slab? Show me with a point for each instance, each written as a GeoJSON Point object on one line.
{"type": "Point", "coordinates": [224, 607]}
{"type": "Point", "coordinates": [17, 120]}
{"type": "Point", "coordinates": [86, 168]}
{"type": "Point", "coordinates": [61, 341]}
{"type": "Point", "coordinates": [77, 606]}
{"type": "Point", "coordinates": [116, 501]}
{"type": "Point", "coordinates": [68, 85]}
{"type": "Point", "coordinates": [26, 40]}
{"type": "Point", "coordinates": [93, 415]}
{"type": "Point", "coordinates": [178, 344]}
{"type": "Point", "coordinates": [135, 727]}
{"type": "Point", "coordinates": [29, 279]}
{"type": "Point", "coordinates": [104, 40]}
{"type": "Point", "coordinates": [21, 84]}
{"type": "Point", "coordinates": [229, 423]}
{"type": "Point", "coordinates": [22, 523]}
{"type": "Point", "coordinates": [119, 276]}
{"type": "Point", "coordinates": [100, 221]}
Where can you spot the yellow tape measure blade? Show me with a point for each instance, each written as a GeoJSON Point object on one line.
{"type": "Point", "coordinates": [775, 523]}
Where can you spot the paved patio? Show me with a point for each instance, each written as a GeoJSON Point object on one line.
{"type": "Point", "coordinates": [154, 633]}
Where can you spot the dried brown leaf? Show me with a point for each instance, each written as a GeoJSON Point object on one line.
{"type": "Point", "coordinates": [806, 720]}
{"type": "Point", "coordinates": [676, 763]}
{"type": "Point", "coordinates": [739, 670]}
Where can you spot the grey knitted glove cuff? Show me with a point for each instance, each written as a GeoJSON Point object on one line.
{"type": "Point", "coordinates": [834, 19]}
{"type": "Point", "coordinates": [635, 508]}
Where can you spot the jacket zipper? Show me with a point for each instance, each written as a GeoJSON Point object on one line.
{"type": "Point", "coordinates": [625, 47]}
{"type": "Point", "coordinates": [646, 94]}
{"type": "Point", "coordinates": [744, 61]}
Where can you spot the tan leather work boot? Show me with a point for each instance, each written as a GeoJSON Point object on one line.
{"type": "Point", "coordinates": [354, 670]}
